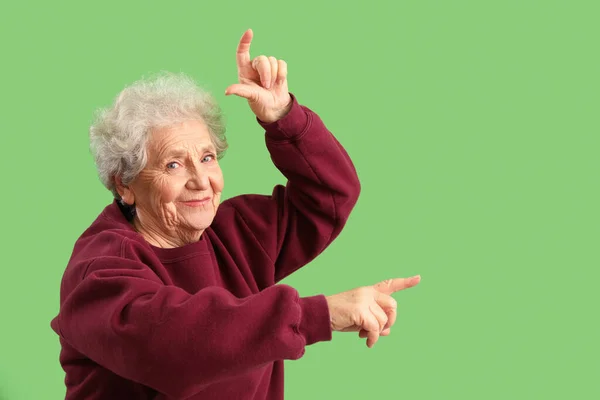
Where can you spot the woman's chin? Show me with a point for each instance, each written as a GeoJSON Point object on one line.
{"type": "Point", "coordinates": [200, 222]}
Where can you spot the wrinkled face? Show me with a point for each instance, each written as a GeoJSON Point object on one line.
{"type": "Point", "coordinates": [178, 192]}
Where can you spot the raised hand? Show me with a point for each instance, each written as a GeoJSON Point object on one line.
{"type": "Point", "coordinates": [371, 310]}
{"type": "Point", "coordinates": [262, 81]}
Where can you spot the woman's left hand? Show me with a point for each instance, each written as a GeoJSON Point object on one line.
{"type": "Point", "coordinates": [262, 81]}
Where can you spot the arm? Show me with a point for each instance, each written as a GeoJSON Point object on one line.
{"type": "Point", "coordinates": [298, 221]}
{"type": "Point", "coordinates": [125, 319]}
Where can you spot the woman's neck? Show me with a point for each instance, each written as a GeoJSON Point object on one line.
{"type": "Point", "coordinates": [157, 238]}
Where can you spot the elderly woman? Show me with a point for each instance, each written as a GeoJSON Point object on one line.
{"type": "Point", "coordinates": [170, 294]}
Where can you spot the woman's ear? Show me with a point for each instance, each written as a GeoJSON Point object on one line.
{"type": "Point", "coordinates": [124, 191]}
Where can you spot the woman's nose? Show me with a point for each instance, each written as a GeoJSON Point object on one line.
{"type": "Point", "coordinates": [198, 181]}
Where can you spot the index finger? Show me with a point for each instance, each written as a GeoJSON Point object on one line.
{"type": "Point", "coordinates": [243, 49]}
{"type": "Point", "coordinates": [390, 286]}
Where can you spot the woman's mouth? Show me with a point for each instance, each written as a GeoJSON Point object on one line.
{"type": "Point", "coordinates": [196, 202]}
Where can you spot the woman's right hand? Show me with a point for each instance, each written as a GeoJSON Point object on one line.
{"type": "Point", "coordinates": [369, 310]}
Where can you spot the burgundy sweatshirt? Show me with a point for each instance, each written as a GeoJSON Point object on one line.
{"type": "Point", "coordinates": [208, 320]}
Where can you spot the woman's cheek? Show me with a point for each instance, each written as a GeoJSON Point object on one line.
{"type": "Point", "coordinates": [216, 201]}
{"type": "Point", "coordinates": [171, 187]}
{"type": "Point", "coordinates": [217, 181]}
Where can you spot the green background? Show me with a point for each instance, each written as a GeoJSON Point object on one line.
{"type": "Point", "coordinates": [474, 129]}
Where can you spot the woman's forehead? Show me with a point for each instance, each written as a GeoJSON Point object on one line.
{"type": "Point", "coordinates": [190, 136]}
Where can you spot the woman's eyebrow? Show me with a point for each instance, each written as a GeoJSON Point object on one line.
{"type": "Point", "coordinates": [209, 147]}
{"type": "Point", "coordinates": [173, 153]}
{"type": "Point", "coordinates": [183, 153]}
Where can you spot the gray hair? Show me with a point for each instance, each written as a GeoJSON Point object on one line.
{"type": "Point", "coordinates": [119, 134]}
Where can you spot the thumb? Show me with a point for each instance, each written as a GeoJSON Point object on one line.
{"type": "Point", "coordinates": [242, 90]}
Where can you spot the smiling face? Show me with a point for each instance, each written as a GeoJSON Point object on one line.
{"type": "Point", "coordinates": [177, 194]}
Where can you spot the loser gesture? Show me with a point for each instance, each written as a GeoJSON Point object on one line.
{"type": "Point", "coordinates": [262, 81]}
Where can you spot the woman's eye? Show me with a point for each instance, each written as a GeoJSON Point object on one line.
{"type": "Point", "coordinates": [172, 165]}
{"type": "Point", "coordinates": [208, 158]}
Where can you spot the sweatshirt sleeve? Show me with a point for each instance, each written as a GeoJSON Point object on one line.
{"type": "Point", "coordinates": [299, 220]}
{"type": "Point", "coordinates": [124, 318]}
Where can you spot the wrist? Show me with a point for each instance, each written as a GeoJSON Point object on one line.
{"type": "Point", "coordinates": [313, 325]}
{"type": "Point", "coordinates": [286, 109]}
{"type": "Point", "coordinates": [291, 126]}
{"type": "Point", "coordinates": [279, 113]}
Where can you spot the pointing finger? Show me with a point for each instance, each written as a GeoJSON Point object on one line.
{"type": "Point", "coordinates": [243, 49]}
{"type": "Point", "coordinates": [390, 286]}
